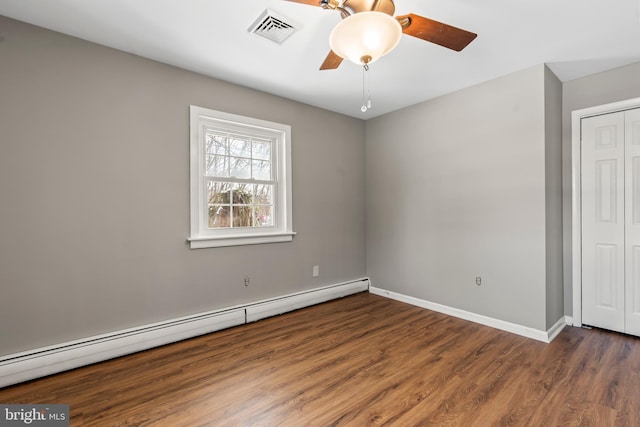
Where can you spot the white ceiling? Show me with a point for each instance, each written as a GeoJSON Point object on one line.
{"type": "Point", "coordinates": [574, 37]}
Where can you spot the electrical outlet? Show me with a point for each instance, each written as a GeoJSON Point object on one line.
{"type": "Point", "coordinates": [316, 271]}
{"type": "Point", "coordinates": [478, 280]}
{"type": "Point", "coordinates": [247, 280]}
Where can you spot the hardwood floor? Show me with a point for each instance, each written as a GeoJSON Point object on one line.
{"type": "Point", "coordinates": [361, 360]}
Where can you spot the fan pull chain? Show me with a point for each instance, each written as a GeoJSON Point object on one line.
{"type": "Point", "coordinates": [366, 90]}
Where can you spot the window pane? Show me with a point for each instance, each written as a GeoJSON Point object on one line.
{"type": "Point", "coordinates": [217, 165]}
{"type": "Point", "coordinates": [242, 194]}
{"type": "Point", "coordinates": [218, 208]}
{"type": "Point", "coordinates": [263, 217]}
{"type": "Point", "coordinates": [219, 216]}
{"type": "Point", "coordinates": [261, 149]}
{"type": "Point", "coordinates": [261, 169]}
{"type": "Point", "coordinates": [218, 193]}
{"type": "Point", "coordinates": [240, 168]}
{"type": "Point", "coordinates": [263, 194]}
{"type": "Point", "coordinates": [242, 216]}
{"type": "Point", "coordinates": [216, 144]}
{"type": "Point", "coordinates": [239, 146]}
{"type": "Point", "coordinates": [219, 198]}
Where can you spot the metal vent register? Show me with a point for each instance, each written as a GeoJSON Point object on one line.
{"type": "Point", "coordinates": [273, 26]}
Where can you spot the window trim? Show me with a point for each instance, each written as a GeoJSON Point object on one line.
{"type": "Point", "coordinates": [200, 235]}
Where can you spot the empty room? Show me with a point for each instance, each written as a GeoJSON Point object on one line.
{"type": "Point", "coordinates": [319, 212]}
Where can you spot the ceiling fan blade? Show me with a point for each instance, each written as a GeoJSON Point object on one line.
{"type": "Point", "coordinates": [331, 62]}
{"type": "Point", "coordinates": [309, 2]}
{"type": "Point", "coordinates": [435, 32]}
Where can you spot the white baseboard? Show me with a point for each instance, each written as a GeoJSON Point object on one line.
{"type": "Point", "coordinates": [544, 336]}
{"type": "Point", "coordinates": [556, 329]}
{"type": "Point", "coordinates": [569, 320]}
{"type": "Point", "coordinates": [24, 366]}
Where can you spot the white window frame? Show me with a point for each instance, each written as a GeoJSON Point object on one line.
{"type": "Point", "coordinates": [201, 235]}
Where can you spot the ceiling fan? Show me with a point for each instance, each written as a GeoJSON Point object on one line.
{"type": "Point", "coordinates": [414, 25]}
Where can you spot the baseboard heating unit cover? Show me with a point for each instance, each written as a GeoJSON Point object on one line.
{"type": "Point", "coordinates": [19, 367]}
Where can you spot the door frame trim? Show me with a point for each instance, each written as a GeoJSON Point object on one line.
{"type": "Point", "coordinates": [576, 196]}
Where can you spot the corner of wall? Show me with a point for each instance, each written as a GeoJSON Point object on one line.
{"type": "Point", "coordinates": [554, 304]}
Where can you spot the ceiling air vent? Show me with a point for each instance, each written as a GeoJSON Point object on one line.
{"type": "Point", "coordinates": [272, 26]}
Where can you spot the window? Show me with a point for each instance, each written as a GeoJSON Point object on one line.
{"type": "Point", "coordinates": [240, 180]}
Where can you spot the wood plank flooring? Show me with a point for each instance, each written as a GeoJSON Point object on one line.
{"type": "Point", "coordinates": [361, 360]}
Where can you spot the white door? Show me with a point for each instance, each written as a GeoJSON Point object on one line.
{"type": "Point", "coordinates": [603, 240]}
{"type": "Point", "coordinates": [610, 156]}
{"type": "Point", "coordinates": [632, 222]}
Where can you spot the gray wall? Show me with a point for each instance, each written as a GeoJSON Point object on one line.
{"type": "Point", "coordinates": [614, 85]}
{"type": "Point", "coordinates": [94, 190]}
{"type": "Point", "coordinates": [456, 189]}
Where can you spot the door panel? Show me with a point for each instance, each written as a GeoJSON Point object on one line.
{"type": "Point", "coordinates": [606, 278]}
{"type": "Point", "coordinates": [632, 222]}
{"type": "Point", "coordinates": [603, 216]}
{"type": "Point", "coordinates": [606, 194]}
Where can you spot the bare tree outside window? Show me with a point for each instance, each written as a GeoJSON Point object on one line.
{"type": "Point", "coordinates": [239, 188]}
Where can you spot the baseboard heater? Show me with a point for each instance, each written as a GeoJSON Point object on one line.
{"type": "Point", "coordinates": [44, 361]}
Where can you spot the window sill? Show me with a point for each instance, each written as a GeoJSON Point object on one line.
{"type": "Point", "coordinates": [239, 240]}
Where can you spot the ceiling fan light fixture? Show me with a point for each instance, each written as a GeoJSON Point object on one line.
{"type": "Point", "coordinates": [364, 37]}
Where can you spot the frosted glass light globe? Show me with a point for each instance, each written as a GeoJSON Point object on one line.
{"type": "Point", "coordinates": [364, 37]}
